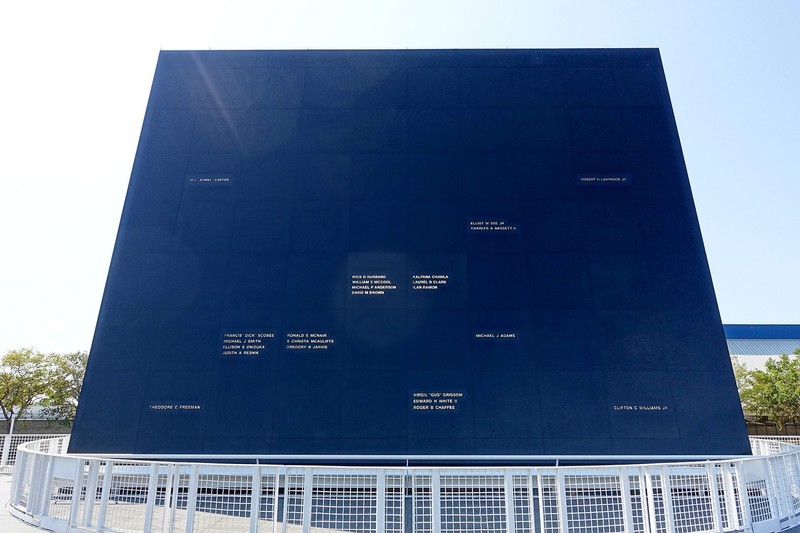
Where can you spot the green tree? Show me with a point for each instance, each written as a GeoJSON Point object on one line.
{"type": "Point", "coordinates": [28, 377]}
{"type": "Point", "coordinates": [64, 385]}
{"type": "Point", "coordinates": [743, 376]}
{"type": "Point", "coordinates": [773, 392]}
{"type": "Point", "coordinates": [24, 377]}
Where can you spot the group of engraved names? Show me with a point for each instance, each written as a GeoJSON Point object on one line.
{"type": "Point", "coordinates": [436, 401]}
{"type": "Point", "coordinates": [255, 344]}
{"type": "Point", "coordinates": [374, 284]}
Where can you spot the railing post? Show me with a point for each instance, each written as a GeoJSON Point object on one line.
{"type": "Point", "coordinates": [255, 498]}
{"type": "Point", "coordinates": [108, 476]}
{"type": "Point", "coordinates": [152, 489]}
{"type": "Point", "coordinates": [191, 497]}
{"type": "Point", "coordinates": [15, 481]}
{"type": "Point", "coordinates": [561, 490]}
{"type": "Point", "coordinates": [795, 460]}
{"type": "Point", "coordinates": [666, 492]}
{"type": "Point", "coordinates": [44, 501]}
{"type": "Point", "coordinates": [76, 492]}
{"type": "Point", "coordinates": [625, 493]}
{"type": "Point", "coordinates": [773, 489]}
{"type": "Point", "coordinates": [539, 485]}
{"type": "Point", "coordinates": [646, 499]}
{"type": "Point", "coordinates": [308, 502]}
{"type": "Point", "coordinates": [730, 497]}
{"type": "Point", "coordinates": [436, 501]}
{"type": "Point", "coordinates": [32, 506]}
{"type": "Point", "coordinates": [531, 475]}
{"type": "Point", "coordinates": [745, 497]}
{"type": "Point", "coordinates": [33, 459]}
{"type": "Point", "coordinates": [380, 502]}
{"type": "Point", "coordinates": [508, 479]}
{"type": "Point", "coordinates": [170, 499]}
{"type": "Point", "coordinates": [6, 449]}
{"type": "Point", "coordinates": [280, 476]}
{"type": "Point", "coordinates": [91, 492]}
{"type": "Point", "coordinates": [713, 490]}
{"type": "Point", "coordinates": [781, 472]}
{"type": "Point", "coordinates": [9, 441]}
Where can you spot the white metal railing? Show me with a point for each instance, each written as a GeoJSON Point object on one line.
{"type": "Point", "coordinates": [10, 442]}
{"type": "Point", "coordinates": [67, 493]}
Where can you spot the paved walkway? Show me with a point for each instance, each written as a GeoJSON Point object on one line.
{"type": "Point", "coordinates": [9, 524]}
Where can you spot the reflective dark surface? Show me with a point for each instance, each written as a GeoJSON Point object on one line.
{"type": "Point", "coordinates": [409, 252]}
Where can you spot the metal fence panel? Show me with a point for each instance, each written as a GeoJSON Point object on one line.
{"type": "Point", "coordinates": [104, 495]}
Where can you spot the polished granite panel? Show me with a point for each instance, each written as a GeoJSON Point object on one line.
{"type": "Point", "coordinates": [392, 252]}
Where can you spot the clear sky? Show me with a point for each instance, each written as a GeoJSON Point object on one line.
{"type": "Point", "coordinates": [76, 77]}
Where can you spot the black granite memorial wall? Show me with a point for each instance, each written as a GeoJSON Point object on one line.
{"type": "Point", "coordinates": [461, 252]}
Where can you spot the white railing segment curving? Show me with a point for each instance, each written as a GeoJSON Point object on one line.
{"type": "Point", "coordinates": [10, 443]}
{"type": "Point", "coordinates": [66, 493]}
